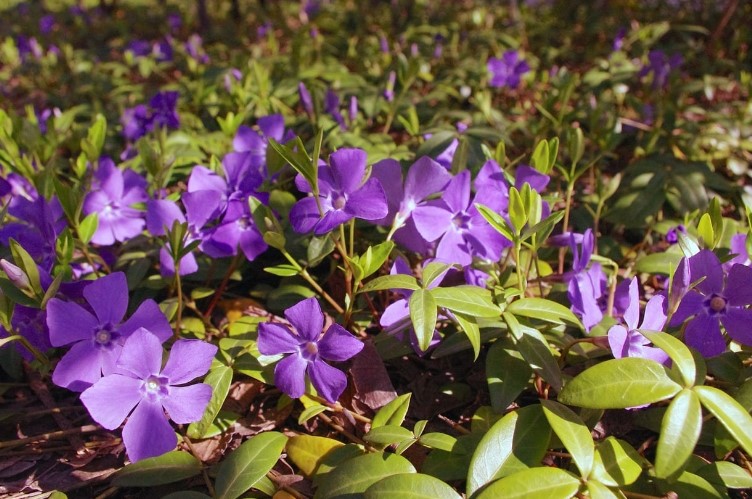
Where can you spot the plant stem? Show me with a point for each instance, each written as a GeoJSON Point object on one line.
{"type": "Point", "coordinates": [310, 280]}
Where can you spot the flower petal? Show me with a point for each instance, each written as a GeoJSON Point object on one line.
{"type": "Point", "coordinates": [337, 344]}
{"type": "Point", "coordinates": [368, 202]}
{"type": "Point", "coordinates": [161, 213]}
{"type": "Point", "coordinates": [655, 317]}
{"type": "Point", "coordinates": [188, 360]}
{"type": "Point", "coordinates": [111, 399]}
{"type": "Point", "coordinates": [739, 285]}
{"type": "Point", "coordinates": [69, 322]}
{"type": "Point", "coordinates": [706, 264]}
{"type": "Point", "coordinates": [703, 333]}
{"type": "Point", "coordinates": [618, 337]}
{"type": "Point", "coordinates": [80, 368]}
{"type": "Point", "coordinates": [432, 221]}
{"type": "Point", "coordinates": [148, 315]}
{"type": "Point", "coordinates": [425, 177]}
{"type": "Point", "coordinates": [141, 355]}
{"type": "Point", "coordinates": [454, 249]}
{"type": "Point", "coordinates": [304, 215]}
{"type": "Point", "coordinates": [690, 305]}
{"type": "Point", "coordinates": [289, 375]}
{"type": "Point", "coordinates": [108, 297]}
{"type": "Point", "coordinates": [632, 313]}
{"type": "Point", "coordinates": [274, 339]}
{"type": "Point", "coordinates": [186, 404]}
{"type": "Point", "coordinates": [737, 323]}
{"type": "Point", "coordinates": [307, 318]}
{"type": "Point", "coordinates": [332, 219]}
{"type": "Point", "coordinates": [457, 193]}
{"type": "Point", "coordinates": [348, 165]}
{"type": "Point", "coordinates": [147, 432]}
{"type": "Point", "coordinates": [328, 381]}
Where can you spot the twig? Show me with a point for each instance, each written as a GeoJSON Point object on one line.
{"type": "Point", "coordinates": [51, 435]}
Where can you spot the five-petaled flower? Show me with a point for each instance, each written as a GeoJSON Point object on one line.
{"type": "Point", "coordinates": [307, 350]}
{"type": "Point", "coordinates": [508, 70]}
{"type": "Point", "coordinates": [139, 384]}
{"type": "Point", "coordinates": [98, 338]}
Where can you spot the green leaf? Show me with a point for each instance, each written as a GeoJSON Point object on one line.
{"type": "Point", "coordinates": [507, 374]}
{"type": "Point", "coordinates": [690, 485]}
{"type": "Point", "coordinates": [533, 483]}
{"type": "Point", "coordinates": [397, 281]}
{"type": "Point", "coordinates": [620, 383]}
{"type": "Point", "coordinates": [308, 451]}
{"type": "Point", "coordinates": [27, 264]}
{"type": "Point", "coordinates": [659, 263]}
{"type": "Point", "coordinates": [726, 474]}
{"type": "Point", "coordinates": [410, 486]}
{"type": "Point", "coordinates": [247, 464]}
{"type": "Point", "coordinates": [616, 463]}
{"type": "Point", "coordinates": [545, 310]}
{"type": "Point", "coordinates": [423, 314]}
{"type": "Point", "coordinates": [517, 211]}
{"type": "Point", "coordinates": [283, 270]}
{"type": "Point", "coordinates": [299, 160]}
{"type": "Point", "coordinates": [88, 227]}
{"type": "Point", "coordinates": [392, 413]}
{"type": "Point", "coordinates": [733, 416]}
{"type": "Point", "coordinates": [573, 433]}
{"type": "Point", "coordinates": [543, 228]}
{"type": "Point", "coordinates": [433, 271]}
{"type": "Point", "coordinates": [310, 412]}
{"type": "Point", "coordinates": [599, 491]}
{"type": "Point", "coordinates": [388, 435]}
{"type": "Point", "coordinates": [167, 468]}
{"type": "Point", "coordinates": [374, 258]}
{"type": "Point", "coordinates": [517, 441]}
{"type": "Point", "coordinates": [496, 221]}
{"type": "Point", "coordinates": [219, 378]}
{"type": "Point", "coordinates": [466, 299]}
{"type": "Point", "coordinates": [436, 440]}
{"type": "Point", "coordinates": [351, 478]}
{"type": "Point", "coordinates": [470, 326]}
{"type": "Point", "coordinates": [540, 158]}
{"type": "Point", "coordinates": [535, 350]}
{"type": "Point", "coordinates": [680, 431]}
{"type": "Point", "coordinates": [678, 352]}
{"type": "Point", "coordinates": [705, 231]}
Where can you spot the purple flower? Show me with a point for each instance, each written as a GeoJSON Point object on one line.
{"type": "Point", "coordinates": [139, 48]}
{"type": "Point", "coordinates": [672, 236]}
{"type": "Point", "coordinates": [739, 249]}
{"type": "Point", "coordinates": [28, 46]}
{"type": "Point", "coordinates": [255, 142]}
{"type": "Point", "coordinates": [619, 39]}
{"type": "Point", "coordinates": [460, 229]}
{"type": "Point", "coordinates": [585, 286]}
{"type": "Point", "coordinates": [136, 122]}
{"type": "Point", "coordinates": [195, 48]}
{"type": "Point", "coordinates": [507, 71]}
{"type": "Point", "coordinates": [305, 98]}
{"type": "Point", "coordinates": [112, 196]}
{"type": "Point", "coordinates": [139, 387]}
{"type": "Point", "coordinates": [46, 24]}
{"type": "Point", "coordinates": [661, 66]}
{"type": "Point", "coordinates": [718, 299]}
{"type": "Point", "coordinates": [163, 110]}
{"type": "Point", "coordinates": [97, 337]}
{"type": "Point", "coordinates": [308, 350]}
{"type": "Point", "coordinates": [389, 90]}
{"type": "Point", "coordinates": [161, 214]}
{"type": "Point", "coordinates": [331, 106]}
{"type": "Point", "coordinates": [628, 341]}
{"type": "Point", "coordinates": [343, 195]}
{"type": "Point", "coordinates": [174, 21]}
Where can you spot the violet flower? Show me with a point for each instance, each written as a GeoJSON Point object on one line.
{"type": "Point", "coordinates": [136, 122]}
{"type": "Point", "coordinates": [97, 338]}
{"type": "Point", "coordinates": [164, 110]}
{"type": "Point", "coordinates": [161, 214]}
{"type": "Point", "coordinates": [661, 66]}
{"type": "Point", "coordinates": [331, 106]}
{"type": "Point", "coordinates": [672, 235]}
{"type": "Point", "coordinates": [305, 98]}
{"type": "Point", "coordinates": [585, 285]}
{"type": "Point", "coordinates": [507, 71]}
{"type": "Point", "coordinates": [717, 299]}
{"type": "Point", "coordinates": [343, 195]}
{"type": "Point", "coordinates": [454, 221]}
{"type": "Point", "coordinates": [255, 143]}
{"type": "Point", "coordinates": [308, 350]}
{"type": "Point", "coordinates": [628, 341]}
{"type": "Point", "coordinates": [113, 194]}
{"type": "Point", "coordinates": [139, 387]}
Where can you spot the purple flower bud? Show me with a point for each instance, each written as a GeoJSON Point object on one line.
{"type": "Point", "coordinates": [389, 91]}
{"type": "Point", "coordinates": [46, 24]}
{"type": "Point", "coordinates": [305, 98]}
{"type": "Point", "coordinates": [174, 21]}
{"type": "Point", "coordinates": [17, 276]}
{"type": "Point", "coordinates": [353, 108]}
{"type": "Point", "coordinates": [414, 52]}
{"type": "Point", "coordinates": [383, 44]}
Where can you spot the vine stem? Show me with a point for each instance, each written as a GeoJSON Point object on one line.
{"type": "Point", "coordinates": [310, 280]}
{"type": "Point", "coordinates": [51, 435]}
{"type": "Point", "coordinates": [222, 285]}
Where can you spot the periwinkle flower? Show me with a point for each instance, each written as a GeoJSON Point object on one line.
{"type": "Point", "coordinates": [307, 350]}
{"type": "Point", "coordinates": [627, 341]}
{"type": "Point", "coordinates": [113, 195]}
{"type": "Point", "coordinates": [507, 71]}
{"type": "Point", "coordinates": [585, 283]}
{"type": "Point", "coordinates": [619, 39]}
{"type": "Point", "coordinates": [141, 390]}
{"type": "Point", "coordinates": [343, 195]}
{"type": "Point", "coordinates": [195, 48]}
{"type": "Point", "coordinates": [164, 110]}
{"type": "Point", "coordinates": [661, 66]}
{"type": "Point", "coordinates": [47, 24]}
{"type": "Point", "coordinates": [161, 214]}
{"type": "Point", "coordinates": [389, 90]}
{"type": "Point", "coordinates": [672, 235]}
{"type": "Point", "coordinates": [331, 106]}
{"type": "Point", "coordinates": [305, 98]}
{"type": "Point", "coordinates": [136, 122]}
{"type": "Point", "coordinates": [97, 338]}
{"type": "Point", "coordinates": [255, 143]}
{"type": "Point", "coordinates": [717, 299]}
{"type": "Point", "coordinates": [454, 221]}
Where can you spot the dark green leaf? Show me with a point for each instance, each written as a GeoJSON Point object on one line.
{"type": "Point", "coordinates": [219, 378]}
{"type": "Point", "coordinates": [543, 309]}
{"type": "Point", "coordinates": [507, 374]}
{"type": "Point", "coordinates": [167, 468]}
{"type": "Point", "coordinates": [410, 486]}
{"type": "Point", "coordinates": [423, 314]}
{"type": "Point", "coordinates": [247, 464]}
{"type": "Point", "coordinates": [388, 434]}
{"type": "Point", "coordinates": [470, 326]}
{"type": "Point", "coordinates": [351, 478]}
{"type": "Point", "coordinates": [535, 350]}
{"type": "Point", "coordinates": [616, 463]}
{"type": "Point", "coordinates": [680, 431]}
{"type": "Point", "coordinates": [678, 352]}
{"type": "Point", "coordinates": [466, 299]}
{"type": "Point", "coordinates": [392, 413]}
{"type": "Point", "coordinates": [397, 281]}
{"type": "Point", "coordinates": [729, 412]}
{"type": "Point", "coordinates": [533, 483]}
{"type": "Point", "coordinates": [572, 432]}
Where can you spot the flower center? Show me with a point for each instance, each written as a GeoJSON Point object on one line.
{"type": "Point", "coordinates": [105, 334]}
{"type": "Point", "coordinates": [461, 221]}
{"type": "Point", "coordinates": [339, 202]}
{"type": "Point", "coordinates": [717, 304]}
{"type": "Point", "coordinates": [312, 348]}
{"type": "Point", "coordinates": [155, 387]}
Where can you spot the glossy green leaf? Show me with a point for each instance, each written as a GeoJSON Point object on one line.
{"type": "Point", "coordinates": [470, 300]}
{"type": "Point", "coordinates": [248, 464]}
{"type": "Point", "coordinates": [572, 432]}
{"type": "Point", "coordinates": [729, 412]}
{"type": "Point", "coordinates": [705, 231]}
{"type": "Point", "coordinates": [283, 270]}
{"type": "Point", "coordinates": [616, 463]}
{"type": "Point", "coordinates": [496, 221]}
{"type": "Point", "coordinates": [722, 440]}
{"type": "Point", "coordinates": [470, 326]}
{"type": "Point", "coordinates": [392, 413]}
{"type": "Point", "coordinates": [599, 491]}
{"type": "Point", "coordinates": [374, 258]}
{"type": "Point", "coordinates": [515, 442]}
{"type": "Point", "coordinates": [535, 350]}
{"type": "Point", "coordinates": [219, 378]}
{"type": "Point", "coordinates": [543, 309]}
{"type": "Point", "coordinates": [533, 483]}
{"type": "Point", "coordinates": [388, 434]}
{"type": "Point", "coordinates": [88, 227]}
{"type": "Point", "coordinates": [410, 486]}
{"type": "Point", "coordinates": [433, 271]}
{"type": "Point", "coordinates": [678, 352]}
{"type": "Point", "coordinates": [507, 374]}
{"type": "Point", "coordinates": [397, 281]}
{"type": "Point", "coordinates": [440, 441]}
{"type": "Point", "coordinates": [692, 486]}
{"type": "Point", "coordinates": [167, 468]}
{"type": "Point", "coordinates": [26, 263]}
{"type": "Point", "coordinates": [620, 383]}
{"type": "Point", "coordinates": [726, 474]}
{"type": "Point", "coordinates": [680, 431]}
{"type": "Point", "coordinates": [353, 477]}
{"type": "Point", "coordinates": [310, 412]}
{"type": "Point", "coordinates": [423, 314]}
{"type": "Point", "coordinates": [308, 451]}
{"type": "Point", "coordinates": [659, 263]}
{"type": "Point", "coordinates": [540, 158]}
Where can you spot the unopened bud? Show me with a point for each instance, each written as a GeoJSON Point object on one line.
{"type": "Point", "coordinates": [17, 276]}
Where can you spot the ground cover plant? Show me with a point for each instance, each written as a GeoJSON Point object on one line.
{"type": "Point", "coordinates": [375, 249]}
